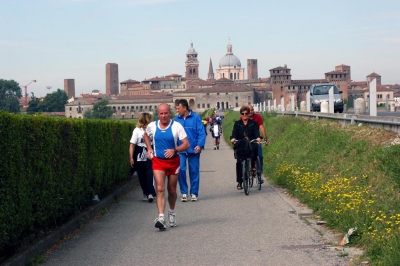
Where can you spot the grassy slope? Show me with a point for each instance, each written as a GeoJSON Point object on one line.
{"type": "Point", "coordinates": [348, 175]}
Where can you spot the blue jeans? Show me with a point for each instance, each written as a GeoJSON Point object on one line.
{"type": "Point", "coordinates": [193, 160]}
{"type": "Point", "coordinates": [260, 155]}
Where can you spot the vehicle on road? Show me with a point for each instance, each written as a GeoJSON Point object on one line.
{"type": "Point", "coordinates": [320, 93]}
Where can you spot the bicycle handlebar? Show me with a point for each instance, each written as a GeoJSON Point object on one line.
{"type": "Point", "coordinates": [252, 141]}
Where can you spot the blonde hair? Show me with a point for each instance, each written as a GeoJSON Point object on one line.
{"type": "Point", "coordinates": [144, 120]}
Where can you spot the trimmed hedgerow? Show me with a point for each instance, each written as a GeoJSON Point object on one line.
{"type": "Point", "coordinates": [51, 168]}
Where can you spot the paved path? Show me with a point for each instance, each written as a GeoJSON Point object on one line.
{"type": "Point", "coordinates": [224, 227]}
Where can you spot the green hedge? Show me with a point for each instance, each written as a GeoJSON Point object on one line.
{"type": "Point", "coordinates": [51, 168]}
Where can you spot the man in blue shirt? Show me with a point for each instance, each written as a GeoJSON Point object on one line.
{"type": "Point", "coordinates": [194, 128]}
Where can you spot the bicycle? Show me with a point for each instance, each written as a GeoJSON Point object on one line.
{"type": "Point", "coordinates": [246, 172]}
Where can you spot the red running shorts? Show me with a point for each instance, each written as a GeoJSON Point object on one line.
{"type": "Point", "coordinates": [169, 166]}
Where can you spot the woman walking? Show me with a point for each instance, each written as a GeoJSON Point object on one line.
{"type": "Point", "coordinates": [138, 158]}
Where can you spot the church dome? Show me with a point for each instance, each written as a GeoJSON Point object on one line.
{"type": "Point", "coordinates": [191, 49]}
{"type": "Point", "coordinates": [229, 60]}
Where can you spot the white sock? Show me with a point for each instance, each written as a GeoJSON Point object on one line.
{"type": "Point", "coordinates": [161, 215]}
{"type": "Point", "coordinates": [171, 211]}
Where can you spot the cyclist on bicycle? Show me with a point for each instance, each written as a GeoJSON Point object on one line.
{"type": "Point", "coordinates": [245, 128]}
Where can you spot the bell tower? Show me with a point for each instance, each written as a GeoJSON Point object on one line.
{"type": "Point", "coordinates": [192, 68]}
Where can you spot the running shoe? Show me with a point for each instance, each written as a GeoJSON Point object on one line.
{"type": "Point", "coordinates": [194, 198]}
{"type": "Point", "coordinates": [217, 147]}
{"type": "Point", "coordinates": [160, 223]}
{"type": "Point", "coordinates": [150, 198]}
{"type": "Point", "coordinates": [171, 219]}
{"type": "Point", "coordinates": [184, 198]}
{"type": "Point", "coordinates": [144, 197]}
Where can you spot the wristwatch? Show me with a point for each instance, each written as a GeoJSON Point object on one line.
{"type": "Point", "coordinates": [175, 151]}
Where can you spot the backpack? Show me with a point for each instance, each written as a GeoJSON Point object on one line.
{"type": "Point", "coordinates": [243, 149]}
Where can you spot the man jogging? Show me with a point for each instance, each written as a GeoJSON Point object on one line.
{"type": "Point", "coordinates": [165, 159]}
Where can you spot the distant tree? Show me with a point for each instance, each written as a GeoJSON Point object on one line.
{"type": "Point", "coordinates": [53, 102]}
{"type": "Point", "coordinates": [100, 110]}
{"type": "Point", "coordinates": [33, 105]}
{"type": "Point", "coordinates": [10, 93]}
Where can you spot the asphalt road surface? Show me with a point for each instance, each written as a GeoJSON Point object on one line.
{"type": "Point", "coordinates": [224, 227]}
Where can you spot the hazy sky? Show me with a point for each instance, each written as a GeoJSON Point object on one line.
{"type": "Point", "coordinates": [53, 40]}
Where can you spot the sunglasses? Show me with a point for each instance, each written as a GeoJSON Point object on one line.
{"type": "Point", "coordinates": [245, 113]}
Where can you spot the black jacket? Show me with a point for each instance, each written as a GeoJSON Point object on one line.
{"type": "Point", "coordinates": [252, 130]}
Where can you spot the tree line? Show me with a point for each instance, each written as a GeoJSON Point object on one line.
{"type": "Point", "coordinates": [11, 93]}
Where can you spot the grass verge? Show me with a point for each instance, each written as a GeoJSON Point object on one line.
{"type": "Point", "coordinates": [348, 175]}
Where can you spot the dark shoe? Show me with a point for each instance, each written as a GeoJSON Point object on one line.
{"type": "Point", "coordinates": [239, 186]}
{"type": "Point", "coordinates": [217, 147]}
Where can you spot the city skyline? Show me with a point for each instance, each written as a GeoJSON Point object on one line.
{"type": "Point", "coordinates": [53, 40]}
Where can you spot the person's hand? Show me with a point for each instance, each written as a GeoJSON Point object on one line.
{"type": "Point", "coordinates": [233, 140]}
{"type": "Point", "coordinates": [197, 149]}
{"type": "Point", "coordinates": [258, 140]}
{"type": "Point", "coordinates": [169, 153]}
{"type": "Point", "coordinates": [132, 163]}
{"type": "Point", "coordinates": [266, 142]}
{"type": "Point", "coordinates": [149, 154]}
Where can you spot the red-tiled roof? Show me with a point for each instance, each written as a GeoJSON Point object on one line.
{"type": "Point", "coordinates": [130, 81]}
{"type": "Point", "coordinates": [373, 74]}
{"type": "Point", "coordinates": [174, 75]}
{"type": "Point", "coordinates": [383, 88]}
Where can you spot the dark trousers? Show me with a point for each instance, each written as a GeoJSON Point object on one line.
{"type": "Point", "coordinates": [145, 174]}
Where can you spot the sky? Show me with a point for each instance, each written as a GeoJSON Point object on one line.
{"type": "Point", "coordinates": [52, 40]}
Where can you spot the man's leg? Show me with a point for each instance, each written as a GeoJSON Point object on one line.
{"type": "Point", "coordinates": [159, 177]}
{"type": "Point", "coordinates": [172, 195]}
{"type": "Point", "coordinates": [182, 174]}
{"type": "Point", "coordinates": [194, 173]}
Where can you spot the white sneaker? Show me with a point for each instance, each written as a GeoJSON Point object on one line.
{"type": "Point", "coordinates": [150, 198]}
{"type": "Point", "coordinates": [171, 219]}
{"type": "Point", "coordinates": [144, 197]}
{"type": "Point", "coordinates": [194, 198]}
{"type": "Point", "coordinates": [184, 198]}
{"type": "Point", "coordinates": [160, 223]}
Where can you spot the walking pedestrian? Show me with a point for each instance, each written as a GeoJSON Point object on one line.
{"type": "Point", "coordinates": [194, 128]}
{"type": "Point", "coordinates": [216, 131]}
{"type": "Point", "coordinates": [165, 133]}
{"type": "Point", "coordinates": [138, 158]}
